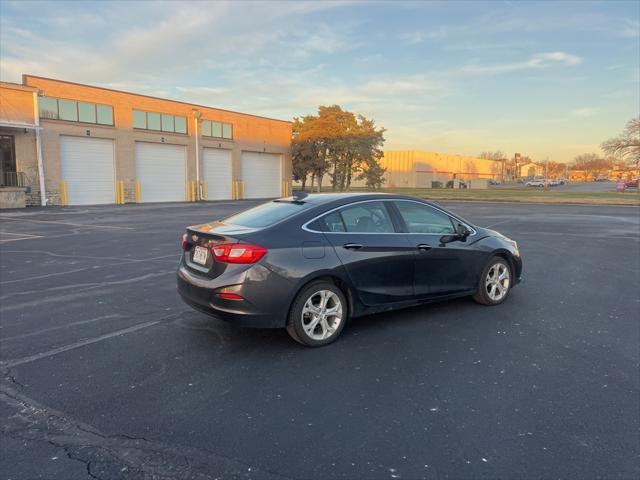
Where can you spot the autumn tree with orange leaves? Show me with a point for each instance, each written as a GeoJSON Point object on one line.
{"type": "Point", "coordinates": [338, 143]}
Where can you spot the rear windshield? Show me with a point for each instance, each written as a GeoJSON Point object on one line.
{"type": "Point", "coordinates": [267, 214]}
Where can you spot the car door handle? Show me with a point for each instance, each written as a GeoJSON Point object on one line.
{"type": "Point", "coordinates": [352, 246]}
{"type": "Point", "coordinates": [424, 247]}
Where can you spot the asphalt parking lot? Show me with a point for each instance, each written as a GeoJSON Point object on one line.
{"type": "Point", "coordinates": [106, 374]}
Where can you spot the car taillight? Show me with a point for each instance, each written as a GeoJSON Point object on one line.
{"type": "Point", "coordinates": [184, 241]}
{"type": "Point", "coordinates": [238, 252]}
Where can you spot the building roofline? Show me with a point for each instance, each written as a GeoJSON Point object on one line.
{"type": "Point", "coordinates": [18, 86]}
{"type": "Point", "coordinates": [25, 75]}
{"type": "Point", "coordinates": [439, 153]}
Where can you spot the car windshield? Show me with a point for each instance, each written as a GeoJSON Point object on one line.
{"type": "Point", "coordinates": [267, 214]}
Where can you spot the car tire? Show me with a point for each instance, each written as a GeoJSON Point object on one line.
{"type": "Point", "coordinates": [495, 282]}
{"type": "Point", "coordinates": [318, 314]}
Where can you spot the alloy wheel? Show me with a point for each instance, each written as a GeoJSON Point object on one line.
{"type": "Point", "coordinates": [321, 315]}
{"type": "Point", "coordinates": [497, 281]}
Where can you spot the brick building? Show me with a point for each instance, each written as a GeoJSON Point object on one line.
{"type": "Point", "coordinates": [87, 145]}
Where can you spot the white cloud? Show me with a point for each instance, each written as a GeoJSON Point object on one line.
{"type": "Point", "coordinates": [584, 112]}
{"type": "Point", "coordinates": [561, 57]}
{"type": "Point", "coordinates": [630, 28]}
{"type": "Point", "coordinates": [419, 36]}
{"type": "Point", "coordinates": [138, 44]}
{"type": "Point", "coordinates": [537, 61]}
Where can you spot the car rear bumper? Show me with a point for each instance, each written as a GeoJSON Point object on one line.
{"type": "Point", "coordinates": [264, 305]}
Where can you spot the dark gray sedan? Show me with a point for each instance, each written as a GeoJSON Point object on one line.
{"type": "Point", "coordinates": [308, 263]}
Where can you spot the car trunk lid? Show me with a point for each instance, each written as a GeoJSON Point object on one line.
{"type": "Point", "coordinates": [200, 239]}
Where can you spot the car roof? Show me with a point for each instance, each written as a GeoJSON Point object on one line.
{"type": "Point", "coordinates": [339, 199]}
{"type": "Point", "coordinates": [323, 198]}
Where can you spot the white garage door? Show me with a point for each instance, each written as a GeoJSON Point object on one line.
{"type": "Point", "coordinates": [261, 175]}
{"type": "Point", "coordinates": [87, 168]}
{"type": "Point", "coordinates": [160, 169]}
{"type": "Point", "coordinates": [216, 171]}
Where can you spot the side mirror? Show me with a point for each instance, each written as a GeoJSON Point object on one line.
{"type": "Point", "coordinates": [462, 231]}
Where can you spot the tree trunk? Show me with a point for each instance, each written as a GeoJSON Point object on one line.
{"type": "Point", "coordinates": [346, 181]}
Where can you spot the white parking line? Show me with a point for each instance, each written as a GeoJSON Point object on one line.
{"type": "Point", "coordinates": [81, 225]}
{"type": "Point", "coordinates": [82, 343]}
{"type": "Point", "coordinates": [49, 353]}
{"type": "Point", "coordinates": [17, 236]}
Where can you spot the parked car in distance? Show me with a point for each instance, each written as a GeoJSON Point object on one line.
{"type": "Point", "coordinates": [562, 181]}
{"type": "Point", "coordinates": [461, 184]}
{"type": "Point", "coordinates": [536, 183]}
{"type": "Point", "coordinates": [494, 182]}
{"type": "Point", "coordinates": [552, 183]}
{"type": "Point", "coordinates": [601, 178]}
{"type": "Point", "coordinates": [308, 263]}
{"type": "Point", "coordinates": [631, 184]}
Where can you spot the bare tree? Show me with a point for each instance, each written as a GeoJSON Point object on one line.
{"type": "Point", "coordinates": [591, 164]}
{"type": "Point", "coordinates": [627, 145]}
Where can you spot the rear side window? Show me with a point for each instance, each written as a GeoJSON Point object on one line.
{"type": "Point", "coordinates": [421, 218]}
{"type": "Point", "coordinates": [369, 217]}
{"type": "Point", "coordinates": [266, 214]}
{"type": "Point", "coordinates": [333, 222]}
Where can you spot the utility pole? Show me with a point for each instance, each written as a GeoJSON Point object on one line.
{"type": "Point", "coordinates": [546, 168]}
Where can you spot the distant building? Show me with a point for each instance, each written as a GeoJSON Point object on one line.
{"type": "Point", "coordinates": [419, 169]}
{"type": "Point", "coordinates": [414, 168]}
{"type": "Point", "coordinates": [530, 170]}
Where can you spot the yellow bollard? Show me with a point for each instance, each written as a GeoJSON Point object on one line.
{"type": "Point", "coordinates": [285, 189]}
{"type": "Point", "coordinates": [205, 190]}
{"type": "Point", "coordinates": [138, 192]}
{"type": "Point", "coordinates": [120, 192]}
{"type": "Point", "coordinates": [194, 191]}
{"type": "Point", "coordinates": [64, 194]}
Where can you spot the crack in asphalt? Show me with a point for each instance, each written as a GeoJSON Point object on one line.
{"type": "Point", "coordinates": [119, 456]}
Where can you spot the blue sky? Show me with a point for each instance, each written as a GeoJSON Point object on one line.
{"type": "Point", "coordinates": [548, 79]}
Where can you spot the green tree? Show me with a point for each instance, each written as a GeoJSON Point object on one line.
{"type": "Point", "coordinates": [627, 145]}
{"type": "Point", "coordinates": [339, 143]}
{"type": "Point", "coordinates": [304, 153]}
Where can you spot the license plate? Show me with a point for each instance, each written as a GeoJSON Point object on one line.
{"type": "Point", "coordinates": [200, 255]}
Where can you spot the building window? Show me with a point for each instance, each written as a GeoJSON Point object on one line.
{"type": "Point", "coordinates": [87, 112]}
{"type": "Point", "coordinates": [48, 107]}
{"type": "Point", "coordinates": [159, 122]}
{"type": "Point", "coordinates": [73, 111]}
{"type": "Point", "coordinates": [68, 110]}
{"type": "Point", "coordinates": [139, 119]}
{"type": "Point", "coordinates": [105, 114]}
{"type": "Point", "coordinates": [217, 129]}
{"type": "Point", "coordinates": [153, 121]}
{"type": "Point", "coordinates": [181, 124]}
{"type": "Point", "coordinates": [168, 123]}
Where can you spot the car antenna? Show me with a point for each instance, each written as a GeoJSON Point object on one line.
{"type": "Point", "coordinates": [299, 196]}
